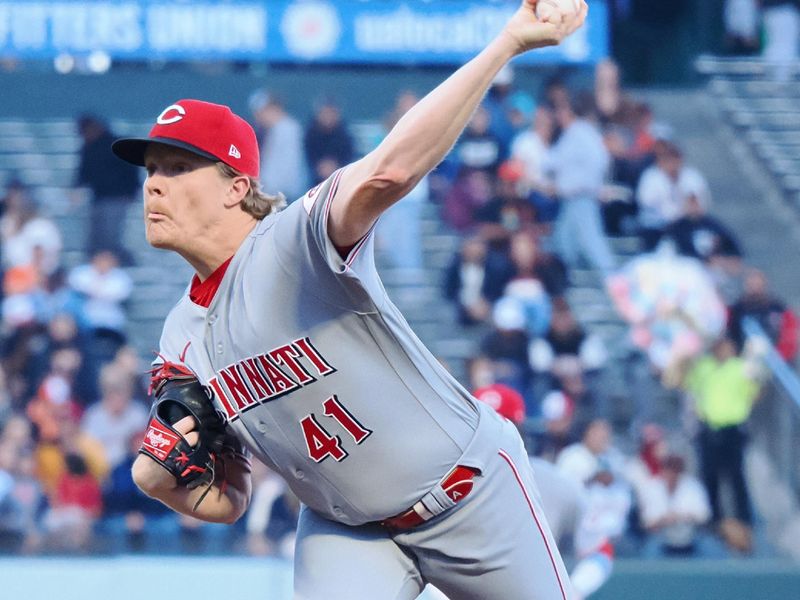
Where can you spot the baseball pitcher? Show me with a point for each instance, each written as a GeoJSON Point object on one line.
{"type": "Point", "coordinates": [286, 347]}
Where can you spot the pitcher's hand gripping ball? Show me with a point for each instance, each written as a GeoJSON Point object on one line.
{"type": "Point", "coordinates": [550, 10]}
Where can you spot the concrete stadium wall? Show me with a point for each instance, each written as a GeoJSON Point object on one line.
{"type": "Point", "coordinates": [703, 580]}
{"type": "Point", "coordinates": [151, 578]}
{"type": "Point", "coordinates": [129, 578]}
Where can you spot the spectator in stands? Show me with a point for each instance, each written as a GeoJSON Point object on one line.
{"type": "Point", "coordinates": [113, 186]}
{"type": "Point", "coordinates": [742, 24]}
{"type": "Point", "coordinates": [579, 164]}
{"type": "Point", "coordinates": [466, 282]}
{"type": "Point", "coordinates": [531, 277]}
{"type": "Point", "coordinates": [55, 403]}
{"type": "Point", "coordinates": [60, 298]}
{"type": "Point", "coordinates": [631, 145]}
{"type": "Point", "coordinates": [75, 506]}
{"type": "Point", "coordinates": [51, 455]}
{"type": "Point", "coordinates": [595, 463]}
{"type": "Point", "coordinates": [565, 338]}
{"type": "Point", "coordinates": [535, 303]}
{"type": "Point", "coordinates": [117, 416]}
{"type": "Point", "coordinates": [556, 94]}
{"type": "Point", "coordinates": [506, 345]}
{"type": "Point", "coordinates": [585, 390]}
{"type": "Point", "coordinates": [24, 232]}
{"type": "Point", "coordinates": [328, 143]}
{"type": "Point", "coordinates": [24, 299]}
{"type": "Point", "coordinates": [593, 454]}
{"type": "Point", "coordinates": [531, 148]}
{"type": "Point", "coordinates": [127, 360]}
{"type": "Point", "coordinates": [22, 500]}
{"type": "Point", "coordinates": [478, 148]}
{"type": "Point", "coordinates": [663, 191]}
{"type": "Point", "coordinates": [471, 190]}
{"type": "Point", "coordinates": [645, 133]}
{"type": "Point", "coordinates": [724, 391]}
{"type": "Point", "coordinates": [32, 359]}
{"type": "Point", "coordinates": [129, 517]}
{"type": "Point", "coordinates": [699, 235]}
{"type": "Point", "coordinates": [778, 321]}
{"type": "Point", "coordinates": [16, 432]}
{"type": "Point", "coordinates": [673, 507]}
{"type": "Point", "coordinates": [649, 462]}
{"type": "Point", "coordinates": [509, 210]}
{"type": "Point", "coordinates": [281, 144]}
{"type": "Point", "coordinates": [782, 36]}
{"type": "Point", "coordinates": [559, 431]}
{"type": "Point", "coordinates": [527, 260]}
{"type": "Point", "coordinates": [104, 287]}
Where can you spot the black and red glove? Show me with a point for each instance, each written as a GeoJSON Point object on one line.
{"type": "Point", "coordinates": [179, 394]}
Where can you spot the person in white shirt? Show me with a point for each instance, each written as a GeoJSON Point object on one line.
{"type": "Point", "coordinates": [104, 286]}
{"type": "Point", "coordinates": [663, 191]}
{"type": "Point", "coordinates": [531, 148]}
{"type": "Point", "coordinates": [23, 230]}
{"type": "Point", "coordinates": [673, 506]}
{"type": "Point", "coordinates": [583, 460]}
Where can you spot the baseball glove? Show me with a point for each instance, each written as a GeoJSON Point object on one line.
{"type": "Point", "coordinates": [178, 394]}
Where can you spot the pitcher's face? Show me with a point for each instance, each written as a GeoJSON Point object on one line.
{"type": "Point", "coordinates": [183, 196]}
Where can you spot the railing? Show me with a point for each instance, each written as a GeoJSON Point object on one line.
{"type": "Point", "coordinates": [778, 428]}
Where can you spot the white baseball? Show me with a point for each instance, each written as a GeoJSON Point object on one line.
{"type": "Point", "coordinates": [546, 8]}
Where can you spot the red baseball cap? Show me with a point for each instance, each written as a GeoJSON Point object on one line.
{"type": "Point", "coordinates": [506, 401]}
{"type": "Point", "coordinates": [213, 131]}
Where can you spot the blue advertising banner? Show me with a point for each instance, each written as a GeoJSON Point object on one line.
{"type": "Point", "coordinates": [285, 31]}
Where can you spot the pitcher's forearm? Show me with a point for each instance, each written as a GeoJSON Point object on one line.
{"type": "Point", "coordinates": [225, 501]}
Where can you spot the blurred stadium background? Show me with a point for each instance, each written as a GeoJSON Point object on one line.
{"type": "Point", "coordinates": [698, 103]}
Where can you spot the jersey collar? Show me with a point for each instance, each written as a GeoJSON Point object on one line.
{"type": "Point", "coordinates": [202, 293]}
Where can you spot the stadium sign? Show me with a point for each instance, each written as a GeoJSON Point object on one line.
{"type": "Point", "coordinates": [283, 31]}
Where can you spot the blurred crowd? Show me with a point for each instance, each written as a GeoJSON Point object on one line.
{"type": "Point", "coordinates": [536, 188]}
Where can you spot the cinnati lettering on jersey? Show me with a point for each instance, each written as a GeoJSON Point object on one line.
{"type": "Point", "coordinates": [258, 379]}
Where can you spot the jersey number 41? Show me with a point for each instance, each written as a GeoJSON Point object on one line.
{"type": "Point", "coordinates": [322, 444]}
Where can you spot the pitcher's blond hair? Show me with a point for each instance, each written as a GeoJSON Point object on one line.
{"type": "Point", "coordinates": [256, 203]}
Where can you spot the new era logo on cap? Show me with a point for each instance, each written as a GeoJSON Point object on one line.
{"type": "Point", "coordinates": [210, 130]}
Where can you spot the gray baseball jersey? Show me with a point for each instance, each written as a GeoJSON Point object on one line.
{"type": "Point", "coordinates": [320, 375]}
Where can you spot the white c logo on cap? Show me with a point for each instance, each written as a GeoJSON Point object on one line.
{"type": "Point", "coordinates": [164, 120]}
